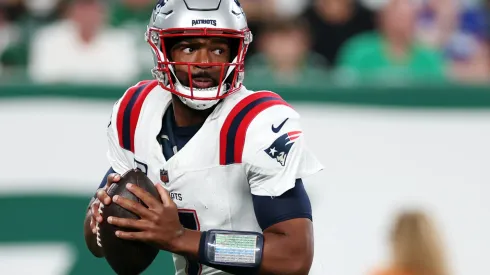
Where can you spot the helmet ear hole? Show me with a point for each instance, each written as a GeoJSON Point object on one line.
{"type": "Point", "coordinates": [234, 47]}
{"type": "Point", "coordinates": [169, 43]}
{"type": "Point", "coordinates": [166, 47]}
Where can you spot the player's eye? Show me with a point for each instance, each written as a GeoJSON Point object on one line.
{"type": "Point", "coordinates": [218, 51]}
{"type": "Point", "coordinates": [188, 50]}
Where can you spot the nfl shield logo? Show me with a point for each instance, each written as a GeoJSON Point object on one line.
{"type": "Point", "coordinates": [164, 176]}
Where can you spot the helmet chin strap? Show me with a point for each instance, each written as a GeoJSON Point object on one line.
{"type": "Point", "coordinates": [196, 104]}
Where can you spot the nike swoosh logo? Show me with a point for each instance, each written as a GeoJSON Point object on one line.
{"type": "Point", "coordinates": [278, 128]}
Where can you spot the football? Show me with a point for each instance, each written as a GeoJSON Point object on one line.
{"type": "Point", "coordinates": [125, 257]}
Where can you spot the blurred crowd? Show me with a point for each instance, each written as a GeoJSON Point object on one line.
{"type": "Point", "coordinates": [295, 41]}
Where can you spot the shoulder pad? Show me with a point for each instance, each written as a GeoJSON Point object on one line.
{"type": "Point", "coordinates": [234, 129]}
{"type": "Point", "coordinates": [129, 110]}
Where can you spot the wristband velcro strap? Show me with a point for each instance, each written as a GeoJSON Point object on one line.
{"type": "Point", "coordinates": [231, 248]}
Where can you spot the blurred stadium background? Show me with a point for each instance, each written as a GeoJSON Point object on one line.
{"type": "Point", "coordinates": [394, 96]}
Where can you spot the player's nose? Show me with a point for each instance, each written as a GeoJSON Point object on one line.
{"type": "Point", "coordinates": [203, 58]}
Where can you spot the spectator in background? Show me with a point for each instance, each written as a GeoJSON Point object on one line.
{"type": "Point", "coordinates": [333, 22]}
{"type": "Point", "coordinates": [132, 17]}
{"type": "Point", "coordinates": [459, 28]}
{"type": "Point", "coordinates": [416, 247]}
{"type": "Point", "coordinates": [392, 53]}
{"type": "Point", "coordinates": [131, 12]}
{"type": "Point", "coordinates": [467, 48]}
{"type": "Point", "coordinates": [258, 12]}
{"type": "Point", "coordinates": [436, 22]}
{"type": "Point", "coordinates": [44, 11]}
{"type": "Point", "coordinates": [289, 8]}
{"type": "Point", "coordinates": [81, 49]}
{"type": "Point", "coordinates": [285, 57]}
{"type": "Point", "coordinates": [11, 12]}
{"type": "Point", "coordinates": [25, 17]}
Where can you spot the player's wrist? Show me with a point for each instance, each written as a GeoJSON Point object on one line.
{"type": "Point", "coordinates": [186, 244]}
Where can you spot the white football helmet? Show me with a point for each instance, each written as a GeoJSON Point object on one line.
{"type": "Point", "coordinates": [198, 18]}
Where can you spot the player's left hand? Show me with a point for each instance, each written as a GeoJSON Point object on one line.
{"type": "Point", "coordinates": [159, 224]}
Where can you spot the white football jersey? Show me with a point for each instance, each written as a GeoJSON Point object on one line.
{"type": "Point", "coordinates": [252, 143]}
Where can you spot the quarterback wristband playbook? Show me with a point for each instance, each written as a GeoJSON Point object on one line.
{"type": "Point", "coordinates": [231, 248]}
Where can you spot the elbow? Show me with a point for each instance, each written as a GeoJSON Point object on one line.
{"type": "Point", "coordinates": [300, 264]}
{"type": "Point", "coordinates": [292, 242]}
{"type": "Point", "coordinates": [301, 257]}
{"type": "Point", "coordinates": [298, 260]}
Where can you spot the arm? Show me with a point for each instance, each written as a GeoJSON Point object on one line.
{"type": "Point", "coordinates": [119, 160]}
{"type": "Point", "coordinates": [289, 248]}
{"type": "Point", "coordinates": [288, 235]}
{"type": "Point", "coordinates": [286, 221]}
{"type": "Point", "coordinates": [288, 239]}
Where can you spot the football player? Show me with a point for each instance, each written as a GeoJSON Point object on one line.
{"type": "Point", "coordinates": [228, 162]}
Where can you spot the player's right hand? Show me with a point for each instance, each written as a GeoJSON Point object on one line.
{"type": "Point", "coordinates": [102, 197]}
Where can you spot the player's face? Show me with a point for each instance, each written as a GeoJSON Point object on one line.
{"type": "Point", "coordinates": [201, 50]}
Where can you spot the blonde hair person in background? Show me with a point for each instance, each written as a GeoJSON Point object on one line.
{"type": "Point", "coordinates": [416, 247]}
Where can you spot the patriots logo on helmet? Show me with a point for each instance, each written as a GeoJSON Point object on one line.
{"type": "Point", "coordinates": [239, 11]}
{"type": "Point", "coordinates": [279, 149]}
{"type": "Point", "coordinates": [158, 8]}
{"type": "Point", "coordinates": [161, 3]}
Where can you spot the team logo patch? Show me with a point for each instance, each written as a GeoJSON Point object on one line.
{"type": "Point", "coordinates": [279, 149]}
{"type": "Point", "coordinates": [164, 176]}
{"type": "Point", "coordinates": [204, 22]}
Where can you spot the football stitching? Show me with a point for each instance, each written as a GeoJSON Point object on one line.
{"type": "Point", "coordinates": [99, 243]}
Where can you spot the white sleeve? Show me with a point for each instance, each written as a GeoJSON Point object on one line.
{"type": "Point", "coordinates": [120, 159]}
{"type": "Point", "coordinates": [275, 156]}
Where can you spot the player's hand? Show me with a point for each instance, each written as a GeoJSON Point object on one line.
{"type": "Point", "coordinates": [158, 225]}
{"type": "Point", "coordinates": [103, 198]}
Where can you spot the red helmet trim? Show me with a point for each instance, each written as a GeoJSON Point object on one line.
{"type": "Point", "coordinates": [163, 65]}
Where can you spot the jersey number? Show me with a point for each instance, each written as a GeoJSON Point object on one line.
{"type": "Point", "coordinates": [188, 218]}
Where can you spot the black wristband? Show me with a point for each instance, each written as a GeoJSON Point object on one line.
{"type": "Point", "coordinates": [231, 248]}
{"type": "Point", "coordinates": [202, 248]}
{"type": "Point", "coordinates": [209, 256]}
